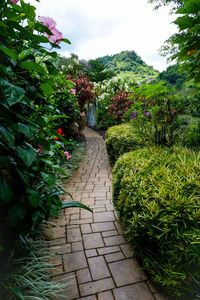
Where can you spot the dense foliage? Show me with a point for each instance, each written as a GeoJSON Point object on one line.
{"type": "Point", "coordinates": [173, 77]}
{"type": "Point", "coordinates": [184, 45]}
{"type": "Point", "coordinates": [121, 139]}
{"type": "Point", "coordinates": [152, 114]}
{"type": "Point", "coordinates": [97, 71]}
{"type": "Point", "coordinates": [156, 192]}
{"type": "Point", "coordinates": [120, 103]}
{"type": "Point", "coordinates": [105, 91]}
{"type": "Point", "coordinates": [127, 61]}
{"type": "Point", "coordinates": [36, 108]}
{"type": "Point", "coordinates": [83, 89]}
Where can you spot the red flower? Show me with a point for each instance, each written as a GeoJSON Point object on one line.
{"type": "Point", "coordinates": [59, 131]}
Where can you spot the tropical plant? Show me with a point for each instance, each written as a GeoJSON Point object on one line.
{"type": "Point", "coordinates": [32, 143]}
{"type": "Point", "coordinates": [156, 192]}
{"type": "Point", "coordinates": [184, 45]}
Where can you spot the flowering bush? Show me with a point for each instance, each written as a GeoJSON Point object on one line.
{"type": "Point", "coordinates": [65, 101]}
{"type": "Point", "coordinates": [32, 143]}
{"type": "Point", "coordinates": [152, 115]}
{"type": "Point", "coordinates": [56, 35]}
{"type": "Point", "coordinates": [104, 92]}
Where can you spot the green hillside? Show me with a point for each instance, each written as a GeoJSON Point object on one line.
{"type": "Point", "coordinates": [128, 64]}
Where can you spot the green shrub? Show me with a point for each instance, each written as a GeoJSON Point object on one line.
{"type": "Point", "coordinates": [120, 139]}
{"type": "Point", "coordinates": [157, 194]}
{"type": "Point", "coordinates": [191, 137]}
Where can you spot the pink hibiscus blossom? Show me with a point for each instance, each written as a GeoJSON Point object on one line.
{"type": "Point", "coordinates": [48, 22]}
{"type": "Point", "coordinates": [66, 153]}
{"type": "Point", "coordinates": [56, 36]}
{"type": "Point", "coordinates": [83, 115]}
{"type": "Point", "coordinates": [14, 1]}
{"type": "Point", "coordinates": [40, 149]}
{"type": "Point", "coordinates": [73, 92]}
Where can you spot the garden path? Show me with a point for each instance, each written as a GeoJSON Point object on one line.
{"type": "Point", "coordinates": [93, 246]}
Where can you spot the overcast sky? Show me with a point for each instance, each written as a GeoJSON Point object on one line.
{"type": "Point", "coordinates": [106, 27]}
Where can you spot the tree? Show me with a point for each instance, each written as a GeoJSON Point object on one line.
{"type": "Point", "coordinates": [98, 72]}
{"type": "Point", "coordinates": [184, 46]}
{"type": "Point", "coordinates": [70, 65]}
{"type": "Point", "coordinates": [173, 76]}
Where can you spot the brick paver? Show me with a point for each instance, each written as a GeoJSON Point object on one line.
{"type": "Point", "coordinates": [91, 246]}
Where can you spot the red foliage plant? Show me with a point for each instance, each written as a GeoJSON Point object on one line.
{"type": "Point", "coordinates": [119, 105]}
{"type": "Point", "coordinates": [84, 90]}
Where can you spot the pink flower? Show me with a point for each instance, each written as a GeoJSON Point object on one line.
{"type": "Point", "coordinates": [66, 153]}
{"type": "Point", "coordinates": [83, 115]}
{"type": "Point", "coordinates": [50, 24]}
{"type": "Point", "coordinates": [14, 1]}
{"type": "Point", "coordinates": [57, 34]}
{"type": "Point", "coordinates": [73, 92]}
{"type": "Point", "coordinates": [40, 149]}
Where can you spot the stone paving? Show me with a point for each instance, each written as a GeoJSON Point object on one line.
{"type": "Point", "coordinates": [93, 252]}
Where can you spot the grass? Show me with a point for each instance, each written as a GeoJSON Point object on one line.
{"type": "Point", "coordinates": [29, 276]}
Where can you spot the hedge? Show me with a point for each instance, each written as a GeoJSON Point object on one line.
{"type": "Point", "coordinates": [157, 195]}
{"type": "Point", "coordinates": [119, 140]}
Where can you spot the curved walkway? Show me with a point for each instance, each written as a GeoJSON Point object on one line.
{"type": "Point", "coordinates": [93, 245]}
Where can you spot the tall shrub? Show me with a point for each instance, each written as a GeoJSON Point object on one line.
{"type": "Point", "coordinates": [31, 140]}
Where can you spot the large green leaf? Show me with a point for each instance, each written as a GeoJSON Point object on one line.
{"type": "Point", "coordinates": [6, 189]}
{"type": "Point", "coordinates": [34, 197]}
{"type": "Point", "coordinates": [40, 38]}
{"type": "Point", "coordinates": [52, 118]}
{"type": "Point", "coordinates": [7, 135]}
{"type": "Point", "coordinates": [46, 88]}
{"type": "Point", "coordinates": [74, 204]}
{"type": "Point", "coordinates": [51, 68]}
{"type": "Point", "coordinates": [28, 155]}
{"type": "Point", "coordinates": [50, 178]}
{"type": "Point", "coordinates": [16, 214]}
{"type": "Point", "coordinates": [32, 66]}
{"type": "Point", "coordinates": [13, 94]}
{"type": "Point", "coordinates": [10, 52]}
{"type": "Point", "coordinates": [26, 129]}
{"type": "Point", "coordinates": [184, 22]}
{"type": "Point", "coordinates": [66, 41]}
{"type": "Point", "coordinates": [53, 54]}
{"type": "Point", "coordinates": [29, 10]}
{"type": "Point", "coordinates": [23, 54]}
{"type": "Point", "coordinates": [25, 176]}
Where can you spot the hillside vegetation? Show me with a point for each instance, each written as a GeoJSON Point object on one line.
{"type": "Point", "coordinates": [128, 64]}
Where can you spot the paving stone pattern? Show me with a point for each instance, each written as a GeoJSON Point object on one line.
{"type": "Point", "coordinates": [93, 253]}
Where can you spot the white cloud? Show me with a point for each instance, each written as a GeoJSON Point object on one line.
{"type": "Point", "coordinates": [98, 28]}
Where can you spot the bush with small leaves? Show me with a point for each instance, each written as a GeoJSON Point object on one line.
{"type": "Point", "coordinates": [157, 195]}
{"type": "Point", "coordinates": [121, 139]}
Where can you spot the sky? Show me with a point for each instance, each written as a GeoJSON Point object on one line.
{"type": "Point", "coordinates": [106, 27]}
